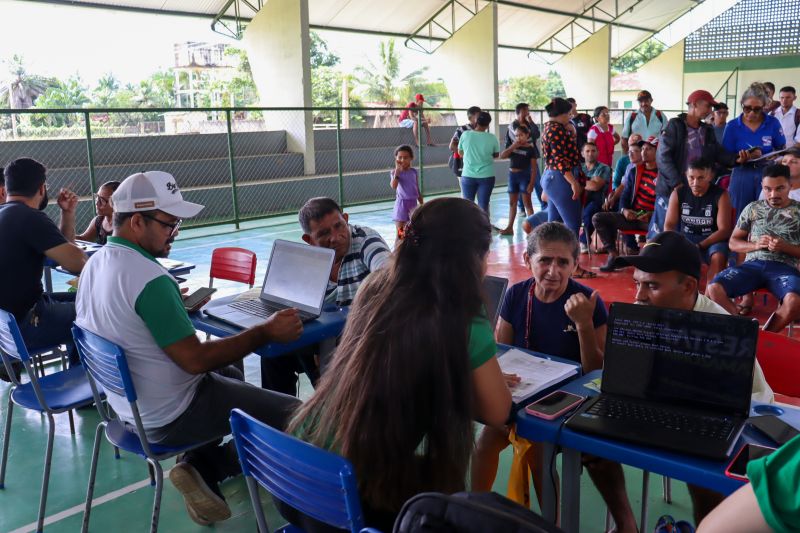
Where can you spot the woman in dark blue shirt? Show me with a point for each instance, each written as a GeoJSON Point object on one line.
{"type": "Point", "coordinates": [754, 131]}
{"type": "Point", "coordinates": [549, 313]}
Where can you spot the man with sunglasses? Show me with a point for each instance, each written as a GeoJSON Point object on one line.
{"type": "Point", "coordinates": [685, 139]}
{"type": "Point", "coordinates": [28, 237]}
{"type": "Point", "coordinates": [186, 388]}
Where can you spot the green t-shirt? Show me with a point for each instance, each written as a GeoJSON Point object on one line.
{"type": "Point", "coordinates": [479, 149]}
{"type": "Point", "coordinates": [776, 483]}
{"type": "Point", "coordinates": [759, 219]}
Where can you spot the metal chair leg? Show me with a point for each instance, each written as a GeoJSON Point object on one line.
{"type": "Point", "coordinates": [255, 500]}
{"type": "Point", "coordinates": [87, 509]}
{"type": "Point", "coordinates": [645, 496]}
{"type": "Point", "coordinates": [48, 457]}
{"type": "Point", "coordinates": [667, 484]}
{"type": "Point", "coordinates": [157, 497]}
{"type": "Point", "coordinates": [6, 439]}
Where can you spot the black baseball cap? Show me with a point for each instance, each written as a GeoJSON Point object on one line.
{"type": "Point", "coordinates": [665, 252]}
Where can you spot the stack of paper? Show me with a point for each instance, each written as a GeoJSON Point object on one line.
{"type": "Point", "coordinates": [536, 373]}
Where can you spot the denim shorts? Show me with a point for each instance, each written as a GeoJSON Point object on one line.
{"type": "Point", "coordinates": [717, 247]}
{"type": "Point", "coordinates": [778, 278]}
{"type": "Point", "coordinates": [518, 181]}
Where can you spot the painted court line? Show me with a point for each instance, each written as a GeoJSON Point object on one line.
{"type": "Point", "coordinates": [78, 509]}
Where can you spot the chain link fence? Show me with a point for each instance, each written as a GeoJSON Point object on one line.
{"type": "Point", "coordinates": [241, 163]}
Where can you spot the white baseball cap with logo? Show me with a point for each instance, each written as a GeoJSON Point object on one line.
{"type": "Point", "coordinates": [151, 190]}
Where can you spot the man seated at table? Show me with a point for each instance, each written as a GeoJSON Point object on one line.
{"type": "Point", "coordinates": [667, 274]}
{"type": "Point", "coordinates": [185, 387]}
{"type": "Point", "coordinates": [359, 251]}
{"type": "Point", "coordinates": [636, 205]}
{"type": "Point", "coordinates": [701, 212]}
{"type": "Point", "coordinates": [768, 231]}
{"type": "Point", "coordinates": [27, 238]}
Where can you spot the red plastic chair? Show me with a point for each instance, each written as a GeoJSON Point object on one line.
{"type": "Point", "coordinates": [233, 264]}
{"type": "Point", "coordinates": [779, 357]}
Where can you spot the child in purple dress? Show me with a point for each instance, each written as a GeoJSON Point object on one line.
{"type": "Point", "coordinates": [405, 181]}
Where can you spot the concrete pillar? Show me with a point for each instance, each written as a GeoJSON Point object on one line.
{"type": "Point", "coordinates": [278, 47]}
{"type": "Point", "coordinates": [467, 62]}
{"type": "Point", "coordinates": [663, 77]}
{"type": "Point", "coordinates": [586, 70]}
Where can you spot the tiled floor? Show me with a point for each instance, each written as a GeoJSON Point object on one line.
{"type": "Point", "coordinates": [125, 496]}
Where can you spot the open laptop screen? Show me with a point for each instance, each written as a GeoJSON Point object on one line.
{"type": "Point", "coordinates": [297, 275]}
{"type": "Point", "coordinates": [495, 290]}
{"type": "Point", "coordinates": [699, 360]}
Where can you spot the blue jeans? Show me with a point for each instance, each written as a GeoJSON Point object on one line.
{"type": "Point", "coordinates": [49, 323]}
{"type": "Point", "coordinates": [744, 188]}
{"type": "Point", "coordinates": [480, 186]}
{"type": "Point", "coordinates": [659, 217]}
{"type": "Point", "coordinates": [539, 217]}
{"type": "Point", "coordinates": [560, 202]}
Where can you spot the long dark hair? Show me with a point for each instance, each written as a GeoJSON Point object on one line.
{"type": "Point", "coordinates": [396, 399]}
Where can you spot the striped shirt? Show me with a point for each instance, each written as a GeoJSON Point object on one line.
{"type": "Point", "coordinates": [646, 190]}
{"type": "Point", "coordinates": [368, 252]}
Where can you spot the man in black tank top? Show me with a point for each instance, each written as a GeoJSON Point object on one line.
{"type": "Point", "coordinates": [702, 212]}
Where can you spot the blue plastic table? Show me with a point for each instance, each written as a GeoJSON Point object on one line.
{"type": "Point", "coordinates": [326, 328]}
{"type": "Point", "coordinates": [702, 472]}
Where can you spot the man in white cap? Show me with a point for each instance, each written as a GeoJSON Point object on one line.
{"type": "Point", "coordinates": [185, 386]}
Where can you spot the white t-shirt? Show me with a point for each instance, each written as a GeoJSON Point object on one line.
{"type": "Point", "coordinates": [761, 390]}
{"type": "Point", "coordinates": [790, 131]}
{"type": "Point", "coordinates": [127, 297]}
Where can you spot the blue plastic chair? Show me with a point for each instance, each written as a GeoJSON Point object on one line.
{"type": "Point", "coordinates": [107, 366]}
{"type": "Point", "coordinates": [50, 394]}
{"type": "Point", "coordinates": [316, 482]}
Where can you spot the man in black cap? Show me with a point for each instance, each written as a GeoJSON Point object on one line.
{"type": "Point", "coordinates": [27, 237]}
{"type": "Point", "coordinates": [667, 273]}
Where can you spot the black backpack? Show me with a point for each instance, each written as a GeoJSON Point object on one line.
{"type": "Point", "coordinates": [468, 512]}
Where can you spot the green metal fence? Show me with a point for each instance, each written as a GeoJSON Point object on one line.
{"type": "Point", "coordinates": [241, 163]}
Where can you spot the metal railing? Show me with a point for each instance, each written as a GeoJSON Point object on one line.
{"type": "Point", "coordinates": [241, 163]}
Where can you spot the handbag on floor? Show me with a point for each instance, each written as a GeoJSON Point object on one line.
{"type": "Point", "coordinates": [468, 512]}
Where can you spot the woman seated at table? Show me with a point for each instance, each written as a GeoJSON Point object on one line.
{"type": "Point", "coordinates": [549, 313]}
{"type": "Point", "coordinates": [100, 227]}
{"type": "Point", "coordinates": [415, 366]}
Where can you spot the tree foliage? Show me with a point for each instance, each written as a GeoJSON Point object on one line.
{"type": "Point", "coordinates": [384, 82]}
{"type": "Point", "coordinates": [633, 60]}
{"type": "Point", "coordinates": [554, 87]}
{"type": "Point", "coordinates": [530, 89]}
{"type": "Point", "coordinates": [321, 56]}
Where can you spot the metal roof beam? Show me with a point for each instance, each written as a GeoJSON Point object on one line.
{"type": "Point", "coordinates": [581, 16]}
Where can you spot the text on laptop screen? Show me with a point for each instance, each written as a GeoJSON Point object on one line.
{"type": "Point", "coordinates": [297, 275]}
{"type": "Point", "coordinates": [701, 360]}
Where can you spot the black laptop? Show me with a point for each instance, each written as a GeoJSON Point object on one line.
{"type": "Point", "coordinates": [679, 380]}
{"type": "Point", "coordinates": [494, 289]}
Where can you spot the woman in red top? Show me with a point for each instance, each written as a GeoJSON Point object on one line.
{"type": "Point", "coordinates": [603, 135]}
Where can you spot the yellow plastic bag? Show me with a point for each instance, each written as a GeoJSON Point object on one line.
{"type": "Point", "coordinates": [519, 489]}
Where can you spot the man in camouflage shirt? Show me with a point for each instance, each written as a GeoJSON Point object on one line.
{"type": "Point", "coordinates": [768, 231]}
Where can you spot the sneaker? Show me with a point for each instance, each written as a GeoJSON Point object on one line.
{"type": "Point", "coordinates": [682, 526]}
{"type": "Point", "coordinates": [609, 266]}
{"type": "Point", "coordinates": [204, 504]}
{"type": "Point", "coordinates": [665, 524]}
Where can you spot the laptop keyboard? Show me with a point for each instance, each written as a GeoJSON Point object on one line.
{"type": "Point", "coordinates": [718, 428]}
{"type": "Point", "coordinates": [262, 309]}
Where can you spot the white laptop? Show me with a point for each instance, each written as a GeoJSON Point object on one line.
{"type": "Point", "coordinates": [297, 276]}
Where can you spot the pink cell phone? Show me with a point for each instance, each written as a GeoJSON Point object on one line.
{"type": "Point", "coordinates": [554, 405]}
{"type": "Point", "coordinates": [737, 469]}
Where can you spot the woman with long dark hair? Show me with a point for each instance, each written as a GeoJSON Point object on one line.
{"type": "Point", "coordinates": [415, 366]}
{"type": "Point", "coordinates": [562, 163]}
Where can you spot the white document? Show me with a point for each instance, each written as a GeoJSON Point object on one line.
{"type": "Point", "coordinates": [536, 373]}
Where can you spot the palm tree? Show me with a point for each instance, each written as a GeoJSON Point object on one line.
{"type": "Point", "coordinates": [383, 82]}
{"type": "Point", "coordinates": [21, 89]}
